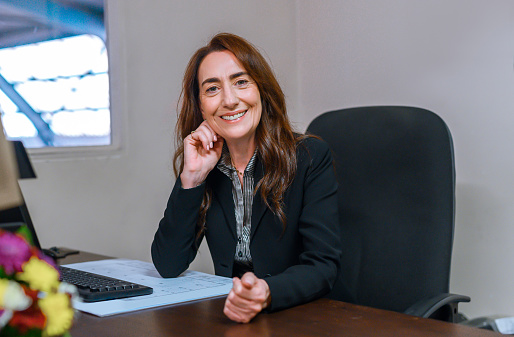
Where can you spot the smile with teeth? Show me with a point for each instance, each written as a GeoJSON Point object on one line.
{"type": "Point", "coordinates": [233, 117]}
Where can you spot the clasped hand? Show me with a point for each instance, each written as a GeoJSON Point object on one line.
{"type": "Point", "coordinates": [249, 296]}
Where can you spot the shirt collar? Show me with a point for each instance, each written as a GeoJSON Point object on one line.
{"type": "Point", "coordinates": [225, 162]}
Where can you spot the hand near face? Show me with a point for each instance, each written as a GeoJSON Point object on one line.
{"type": "Point", "coordinates": [202, 150]}
{"type": "Point", "coordinates": [249, 295]}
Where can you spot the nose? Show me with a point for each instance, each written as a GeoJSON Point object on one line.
{"type": "Point", "coordinates": [230, 98]}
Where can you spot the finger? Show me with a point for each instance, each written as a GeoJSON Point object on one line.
{"type": "Point", "coordinates": [211, 134]}
{"type": "Point", "coordinates": [204, 135]}
{"type": "Point", "coordinates": [240, 288]}
{"type": "Point", "coordinates": [211, 137]}
{"type": "Point", "coordinates": [236, 316]}
{"type": "Point", "coordinates": [232, 315]}
{"type": "Point", "coordinates": [239, 314]}
{"type": "Point", "coordinates": [247, 300]}
{"type": "Point", "coordinates": [218, 145]}
{"type": "Point", "coordinates": [258, 294]}
{"type": "Point", "coordinates": [249, 280]}
{"type": "Point", "coordinates": [215, 135]}
{"type": "Point", "coordinates": [237, 287]}
{"type": "Point", "coordinates": [239, 301]}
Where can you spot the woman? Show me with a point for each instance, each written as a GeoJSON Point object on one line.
{"type": "Point", "coordinates": [263, 196]}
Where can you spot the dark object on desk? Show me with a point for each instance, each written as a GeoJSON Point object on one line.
{"type": "Point", "coordinates": [396, 174]}
{"type": "Point", "coordinates": [59, 253]}
{"type": "Point", "coordinates": [94, 287]}
{"type": "Point", "coordinates": [20, 214]}
{"type": "Point", "coordinates": [24, 166]}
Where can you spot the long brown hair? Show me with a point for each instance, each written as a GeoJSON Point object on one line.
{"type": "Point", "coordinates": [275, 139]}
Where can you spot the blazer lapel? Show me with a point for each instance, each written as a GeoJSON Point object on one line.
{"type": "Point", "coordinates": [222, 191]}
{"type": "Point", "coordinates": [258, 207]}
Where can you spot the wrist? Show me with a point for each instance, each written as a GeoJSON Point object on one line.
{"type": "Point", "coordinates": [190, 180]}
{"type": "Point", "coordinates": [267, 302]}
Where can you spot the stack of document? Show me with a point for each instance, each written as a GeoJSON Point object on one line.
{"type": "Point", "coordinates": [190, 286]}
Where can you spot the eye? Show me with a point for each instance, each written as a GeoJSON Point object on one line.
{"type": "Point", "coordinates": [242, 82]}
{"type": "Point", "coordinates": [211, 90]}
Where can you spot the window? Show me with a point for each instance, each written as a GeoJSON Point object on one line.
{"type": "Point", "coordinates": [61, 92]}
{"type": "Point", "coordinates": [54, 82]}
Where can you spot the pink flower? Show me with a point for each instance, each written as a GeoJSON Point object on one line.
{"type": "Point", "coordinates": [45, 258]}
{"type": "Point", "coordinates": [14, 251]}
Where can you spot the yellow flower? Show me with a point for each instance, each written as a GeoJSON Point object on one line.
{"type": "Point", "coordinates": [12, 296]}
{"type": "Point", "coordinates": [58, 312]}
{"type": "Point", "coordinates": [39, 275]}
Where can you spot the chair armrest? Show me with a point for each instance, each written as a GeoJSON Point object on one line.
{"type": "Point", "coordinates": [426, 307]}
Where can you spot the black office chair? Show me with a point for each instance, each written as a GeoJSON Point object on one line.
{"type": "Point", "coordinates": [395, 168]}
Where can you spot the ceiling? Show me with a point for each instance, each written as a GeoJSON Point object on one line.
{"type": "Point", "coordinates": [28, 21]}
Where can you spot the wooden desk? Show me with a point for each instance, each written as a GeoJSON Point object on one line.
{"type": "Point", "coordinates": [319, 318]}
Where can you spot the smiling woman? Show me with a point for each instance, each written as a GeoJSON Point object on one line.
{"type": "Point", "coordinates": [262, 195]}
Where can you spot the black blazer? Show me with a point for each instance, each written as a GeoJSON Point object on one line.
{"type": "Point", "coordinates": [299, 263]}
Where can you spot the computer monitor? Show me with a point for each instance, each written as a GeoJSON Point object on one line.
{"type": "Point", "coordinates": [25, 169]}
{"type": "Point", "coordinates": [14, 163]}
{"type": "Point", "coordinates": [11, 219]}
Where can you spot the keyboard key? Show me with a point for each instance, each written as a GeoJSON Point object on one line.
{"type": "Point", "coordinates": [93, 287]}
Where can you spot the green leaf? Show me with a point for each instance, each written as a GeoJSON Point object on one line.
{"type": "Point", "coordinates": [9, 331]}
{"type": "Point", "coordinates": [25, 233]}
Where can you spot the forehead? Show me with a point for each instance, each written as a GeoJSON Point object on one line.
{"type": "Point", "coordinates": [219, 64]}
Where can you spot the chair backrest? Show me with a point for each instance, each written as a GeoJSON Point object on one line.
{"type": "Point", "coordinates": [396, 174]}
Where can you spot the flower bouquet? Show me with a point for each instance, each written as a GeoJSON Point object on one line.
{"type": "Point", "coordinates": [33, 302]}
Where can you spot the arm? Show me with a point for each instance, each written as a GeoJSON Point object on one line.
{"type": "Point", "coordinates": [175, 243]}
{"type": "Point", "coordinates": [318, 226]}
{"type": "Point", "coordinates": [174, 246]}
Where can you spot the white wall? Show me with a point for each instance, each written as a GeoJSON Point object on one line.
{"type": "Point", "coordinates": [453, 57]}
{"type": "Point", "coordinates": [456, 59]}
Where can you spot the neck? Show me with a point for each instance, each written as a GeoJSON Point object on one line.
{"type": "Point", "coordinates": [241, 153]}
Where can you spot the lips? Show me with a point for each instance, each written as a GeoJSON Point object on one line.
{"type": "Point", "coordinates": [234, 117]}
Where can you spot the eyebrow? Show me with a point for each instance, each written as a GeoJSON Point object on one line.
{"type": "Point", "coordinates": [215, 79]}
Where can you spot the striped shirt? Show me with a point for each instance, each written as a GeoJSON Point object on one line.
{"type": "Point", "coordinates": [243, 201]}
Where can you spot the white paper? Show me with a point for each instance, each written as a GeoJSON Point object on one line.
{"type": "Point", "coordinates": [189, 286]}
{"type": "Point", "coordinates": [505, 325]}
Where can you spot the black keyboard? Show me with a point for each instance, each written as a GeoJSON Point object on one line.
{"type": "Point", "coordinates": [94, 287]}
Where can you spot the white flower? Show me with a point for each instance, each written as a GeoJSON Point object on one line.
{"type": "Point", "coordinates": [12, 296]}
{"type": "Point", "coordinates": [5, 316]}
{"type": "Point", "coordinates": [69, 289]}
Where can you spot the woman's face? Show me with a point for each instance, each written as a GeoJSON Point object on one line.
{"type": "Point", "coordinates": [229, 98]}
